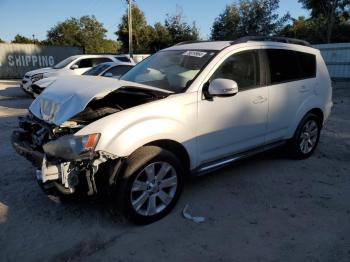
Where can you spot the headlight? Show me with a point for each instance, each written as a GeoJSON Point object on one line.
{"type": "Point", "coordinates": [37, 77]}
{"type": "Point", "coordinates": [72, 147]}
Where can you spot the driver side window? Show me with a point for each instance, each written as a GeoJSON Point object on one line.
{"type": "Point", "coordinates": [241, 67]}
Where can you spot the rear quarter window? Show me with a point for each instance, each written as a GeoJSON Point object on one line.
{"type": "Point", "coordinates": [284, 65]}
{"type": "Point", "coordinates": [307, 65]}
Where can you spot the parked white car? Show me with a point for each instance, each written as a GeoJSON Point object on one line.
{"type": "Point", "coordinates": [73, 65]}
{"type": "Point", "coordinates": [186, 110]}
{"type": "Point", "coordinates": [108, 69]}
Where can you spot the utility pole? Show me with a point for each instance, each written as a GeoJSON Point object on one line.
{"type": "Point", "coordinates": [130, 27]}
{"type": "Point", "coordinates": [33, 38]}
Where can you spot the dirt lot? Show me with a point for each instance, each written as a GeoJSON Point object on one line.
{"type": "Point", "coordinates": [266, 208]}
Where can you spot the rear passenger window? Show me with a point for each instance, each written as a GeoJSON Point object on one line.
{"type": "Point", "coordinates": [288, 65]}
{"type": "Point", "coordinates": [284, 65]}
{"type": "Point", "coordinates": [84, 63]}
{"type": "Point", "coordinates": [307, 64]}
{"type": "Point", "coordinates": [96, 61]}
{"type": "Point", "coordinates": [241, 67]}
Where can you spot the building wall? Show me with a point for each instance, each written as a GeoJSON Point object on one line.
{"type": "Point", "coordinates": [337, 58]}
{"type": "Point", "coordinates": [17, 59]}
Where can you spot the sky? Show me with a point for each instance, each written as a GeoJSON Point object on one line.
{"type": "Point", "coordinates": [28, 17]}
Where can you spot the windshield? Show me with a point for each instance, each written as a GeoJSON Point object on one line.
{"type": "Point", "coordinates": [64, 62]}
{"type": "Point", "coordinates": [96, 70]}
{"type": "Point", "coordinates": [171, 70]}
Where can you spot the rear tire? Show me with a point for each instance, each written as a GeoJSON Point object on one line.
{"type": "Point", "coordinates": [306, 137]}
{"type": "Point", "coordinates": [150, 185]}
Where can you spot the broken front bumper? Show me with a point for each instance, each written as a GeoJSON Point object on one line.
{"type": "Point", "coordinates": [18, 140]}
{"type": "Point", "coordinates": [67, 176]}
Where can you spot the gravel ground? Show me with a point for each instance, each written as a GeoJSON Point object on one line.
{"type": "Point", "coordinates": [265, 208]}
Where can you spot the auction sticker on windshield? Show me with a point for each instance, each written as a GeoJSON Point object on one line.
{"type": "Point", "coordinates": [195, 53]}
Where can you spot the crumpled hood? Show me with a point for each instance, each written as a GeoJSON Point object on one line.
{"type": "Point", "coordinates": [68, 96]}
{"type": "Point", "coordinates": [41, 71]}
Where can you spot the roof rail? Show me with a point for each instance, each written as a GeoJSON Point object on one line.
{"type": "Point", "coordinates": [272, 39]}
{"type": "Point", "coordinates": [194, 41]}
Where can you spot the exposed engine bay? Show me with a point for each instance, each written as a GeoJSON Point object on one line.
{"type": "Point", "coordinates": [114, 102]}
{"type": "Point", "coordinates": [63, 171]}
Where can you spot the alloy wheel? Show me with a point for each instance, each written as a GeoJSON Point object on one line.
{"type": "Point", "coordinates": [308, 136]}
{"type": "Point", "coordinates": [154, 188]}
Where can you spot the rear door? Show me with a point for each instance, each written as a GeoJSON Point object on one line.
{"type": "Point", "coordinates": [291, 80]}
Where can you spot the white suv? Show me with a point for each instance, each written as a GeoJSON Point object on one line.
{"type": "Point", "coordinates": [73, 65]}
{"type": "Point", "coordinates": [186, 110]}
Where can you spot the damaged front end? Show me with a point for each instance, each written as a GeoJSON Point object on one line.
{"type": "Point", "coordinates": [63, 161]}
{"type": "Point", "coordinates": [47, 135]}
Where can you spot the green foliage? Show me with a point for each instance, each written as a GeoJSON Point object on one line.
{"type": "Point", "coordinates": [147, 38]}
{"type": "Point", "coordinates": [179, 30]}
{"type": "Point", "coordinates": [20, 39]}
{"type": "Point", "coordinates": [248, 17]}
{"type": "Point", "coordinates": [2, 41]}
{"type": "Point", "coordinates": [110, 46]}
{"type": "Point", "coordinates": [329, 22]}
{"type": "Point", "coordinates": [85, 32]}
{"type": "Point", "coordinates": [326, 8]}
{"type": "Point", "coordinates": [161, 38]}
{"type": "Point", "coordinates": [140, 31]}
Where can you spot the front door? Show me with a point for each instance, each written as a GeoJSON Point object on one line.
{"type": "Point", "coordinates": [228, 125]}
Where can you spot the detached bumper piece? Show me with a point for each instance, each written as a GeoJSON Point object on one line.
{"type": "Point", "coordinates": [18, 141]}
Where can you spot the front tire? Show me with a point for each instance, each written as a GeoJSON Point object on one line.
{"type": "Point", "coordinates": [306, 137]}
{"type": "Point", "coordinates": [150, 185]}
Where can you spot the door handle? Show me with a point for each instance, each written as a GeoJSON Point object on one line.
{"type": "Point", "coordinates": [259, 100]}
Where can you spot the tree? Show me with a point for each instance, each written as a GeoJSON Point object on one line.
{"type": "Point", "coordinates": [85, 32]}
{"type": "Point", "coordinates": [248, 17]}
{"type": "Point", "coordinates": [148, 38]}
{"type": "Point", "coordinates": [161, 38]}
{"type": "Point", "coordinates": [140, 31]}
{"type": "Point", "coordinates": [328, 13]}
{"type": "Point", "coordinates": [225, 26]}
{"type": "Point", "coordinates": [2, 41]}
{"type": "Point", "coordinates": [20, 39]}
{"type": "Point", "coordinates": [322, 27]}
{"type": "Point", "coordinates": [179, 29]}
{"type": "Point", "coordinates": [110, 46]}
{"type": "Point", "coordinates": [301, 28]}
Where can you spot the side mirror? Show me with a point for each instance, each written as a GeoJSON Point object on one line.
{"type": "Point", "coordinates": [222, 87]}
{"type": "Point", "coordinates": [108, 74]}
{"type": "Point", "coordinates": [74, 67]}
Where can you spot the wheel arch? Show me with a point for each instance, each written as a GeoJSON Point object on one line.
{"type": "Point", "coordinates": [318, 112]}
{"type": "Point", "coordinates": [175, 147]}
{"type": "Point", "coordinates": [315, 110]}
